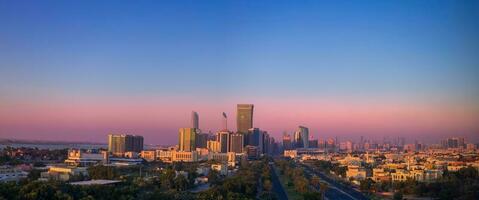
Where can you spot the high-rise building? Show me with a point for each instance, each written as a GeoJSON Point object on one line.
{"type": "Point", "coordinates": [313, 143]}
{"type": "Point", "coordinates": [301, 137]}
{"type": "Point", "coordinates": [187, 139]}
{"type": "Point", "coordinates": [287, 142]}
{"type": "Point", "coordinates": [236, 142]}
{"type": "Point", "coordinates": [254, 137]}
{"type": "Point", "coordinates": [201, 140]}
{"type": "Point", "coordinates": [195, 120]}
{"type": "Point", "coordinates": [224, 140]}
{"type": "Point", "coordinates": [455, 142]}
{"type": "Point", "coordinates": [244, 117]}
{"type": "Point", "coordinates": [118, 144]}
{"type": "Point", "coordinates": [266, 143]}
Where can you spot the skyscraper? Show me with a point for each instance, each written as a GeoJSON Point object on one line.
{"type": "Point", "coordinates": [301, 137]}
{"type": "Point", "coordinates": [187, 139]}
{"type": "Point", "coordinates": [224, 139]}
{"type": "Point", "coordinates": [195, 120]}
{"type": "Point", "coordinates": [244, 117]}
{"type": "Point", "coordinates": [236, 142]}
{"type": "Point", "coordinates": [201, 140]}
{"type": "Point", "coordinates": [118, 144]}
{"type": "Point", "coordinates": [287, 142]}
{"type": "Point", "coordinates": [254, 137]}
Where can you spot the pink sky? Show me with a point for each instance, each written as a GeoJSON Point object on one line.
{"type": "Point", "coordinates": [158, 119]}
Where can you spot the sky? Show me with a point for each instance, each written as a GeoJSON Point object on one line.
{"type": "Point", "coordinates": [79, 70]}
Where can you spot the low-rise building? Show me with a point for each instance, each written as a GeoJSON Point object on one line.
{"type": "Point", "coordinates": [82, 158]}
{"type": "Point", "coordinates": [148, 155]}
{"type": "Point", "coordinates": [356, 172]}
{"type": "Point", "coordinates": [222, 169]}
{"type": "Point", "coordinates": [63, 173]}
{"type": "Point", "coordinates": [8, 173]}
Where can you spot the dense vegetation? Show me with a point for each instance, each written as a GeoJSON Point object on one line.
{"type": "Point", "coordinates": [327, 167]}
{"type": "Point", "coordinates": [251, 180]}
{"type": "Point", "coordinates": [296, 176]}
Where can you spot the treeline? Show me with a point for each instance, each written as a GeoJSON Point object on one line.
{"type": "Point", "coordinates": [251, 181]}
{"type": "Point", "coordinates": [298, 180]}
{"type": "Point", "coordinates": [327, 167]}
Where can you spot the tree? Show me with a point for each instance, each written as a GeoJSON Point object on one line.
{"type": "Point", "coordinates": [213, 177]}
{"type": "Point", "coordinates": [312, 196]}
{"type": "Point", "coordinates": [181, 183]}
{"type": "Point", "coordinates": [267, 185]}
{"type": "Point", "coordinates": [315, 181]}
{"type": "Point", "coordinates": [366, 185]}
{"type": "Point", "coordinates": [323, 187]}
{"type": "Point", "coordinates": [397, 196]}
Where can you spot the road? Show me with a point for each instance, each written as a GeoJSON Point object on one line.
{"type": "Point", "coordinates": [336, 190]}
{"type": "Point", "coordinates": [278, 189]}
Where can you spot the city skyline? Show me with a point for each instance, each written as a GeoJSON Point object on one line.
{"type": "Point", "coordinates": [343, 70]}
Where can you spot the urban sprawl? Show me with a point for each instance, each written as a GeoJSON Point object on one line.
{"type": "Point", "coordinates": [245, 164]}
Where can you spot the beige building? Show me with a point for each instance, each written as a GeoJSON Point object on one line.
{"type": "Point", "coordinates": [380, 175]}
{"type": "Point", "coordinates": [401, 175]}
{"type": "Point", "coordinates": [63, 173]}
{"type": "Point", "coordinates": [83, 158]}
{"type": "Point", "coordinates": [184, 156]}
{"type": "Point", "coordinates": [164, 155]}
{"type": "Point", "coordinates": [213, 146]}
{"type": "Point", "coordinates": [149, 155]}
{"type": "Point", "coordinates": [221, 168]}
{"type": "Point", "coordinates": [356, 172]}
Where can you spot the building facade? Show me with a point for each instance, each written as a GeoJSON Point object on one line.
{"type": "Point", "coordinates": [119, 144]}
{"type": "Point", "coordinates": [187, 139]}
{"type": "Point", "coordinates": [244, 117]}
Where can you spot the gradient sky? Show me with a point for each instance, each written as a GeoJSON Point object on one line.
{"type": "Point", "coordinates": [80, 70]}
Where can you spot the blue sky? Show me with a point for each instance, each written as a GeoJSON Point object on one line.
{"type": "Point", "coordinates": [409, 50]}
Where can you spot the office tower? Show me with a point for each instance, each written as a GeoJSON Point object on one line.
{"type": "Point", "coordinates": [224, 122]}
{"type": "Point", "coordinates": [322, 144]}
{"type": "Point", "coordinates": [118, 144]}
{"type": "Point", "coordinates": [254, 137]}
{"type": "Point", "coordinates": [195, 120]}
{"type": "Point", "coordinates": [187, 139]}
{"type": "Point", "coordinates": [201, 140]}
{"type": "Point", "coordinates": [349, 146]}
{"type": "Point", "coordinates": [455, 142]}
{"type": "Point", "coordinates": [236, 142]}
{"type": "Point", "coordinates": [301, 137]}
{"type": "Point", "coordinates": [244, 117]}
{"type": "Point", "coordinates": [224, 140]}
{"type": "Point", "coordinates": [266, 143]}
{"type": "Point", "coordinates": [330, 144]}
{"type": "Point", "coordinates": [313, 143]}
{"type": "Point", "coordinates": [287, 142]}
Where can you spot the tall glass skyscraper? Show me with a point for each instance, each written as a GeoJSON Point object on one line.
{"type": "Point", "coordinates": [301, 137]}
{"type": "Point", "coordinates": [195, 120]}
{"type": "Point", "coordinates": [244, 117]}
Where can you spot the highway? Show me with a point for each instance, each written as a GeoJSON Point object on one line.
{"type": "Point", "coordinates": [336, 190]}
